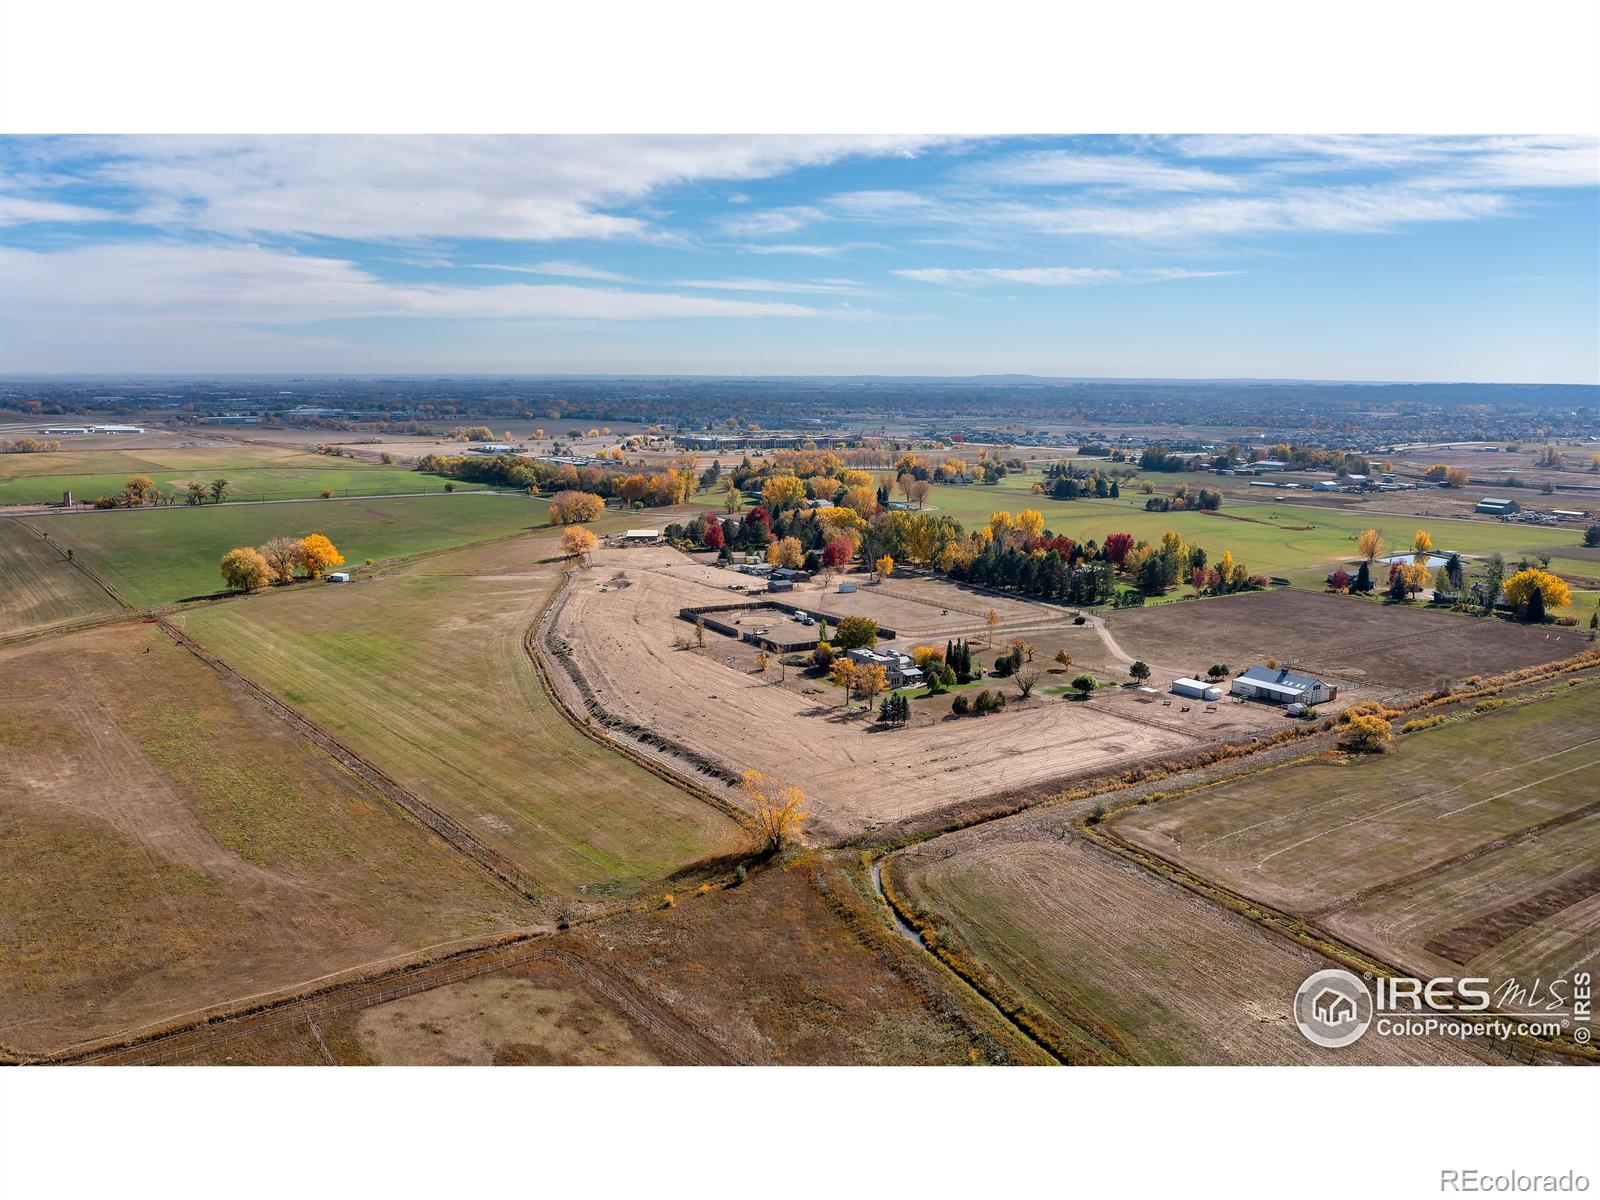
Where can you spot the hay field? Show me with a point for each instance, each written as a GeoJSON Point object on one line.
{"type": "Point", "coordinates": [1472, 841]}
{"type": "Point", "coordinates": [166, 844]}
{"type": "Point", "coordinates": [160, 556]}
{"type": "Point", "coordinates": [422, 671]}
{"type": "Point", "coordinates": [39, 587]}
{"type": "Point", "coordinates": [1133, 965]}
{"type": "Point", "coordinates": [855, 774]}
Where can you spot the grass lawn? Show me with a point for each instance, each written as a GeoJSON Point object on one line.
{"type": "Point", "coordinates": [423, 671]}
{"type": "Point", "coordinates": [158, 556]}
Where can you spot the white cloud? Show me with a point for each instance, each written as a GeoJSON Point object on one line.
{"type": "Point", "coordinates": [18, 210]}
{"type": "Point", "coordinates": [534, 188]}
{"type": "Point", "coordinates": [772, 221]}
{"type": "Point", "coordinates": [1049, 168]}
{"type": "Point", "coordinates": [251, 285]}
{"type": "Point", "coordinates": [558, 268]}
{"type": "Point", "coordinates": [819, 286]}
{"type": "Point", "coordinates": [1051, 276]}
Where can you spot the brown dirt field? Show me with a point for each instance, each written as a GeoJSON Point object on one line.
{"type": "Point", "coordinates": [165, 845]}
{"type": "Point", "coordinates": [1094, 943]}
{"type": "Point", "coordinates": [39, 587]}
{"type": "Point", "coordinates": [794, 967]}
{"type": "Point", "coordinates": [854, 775]}
{"type": "Point", "coordinates": [1367, 647]}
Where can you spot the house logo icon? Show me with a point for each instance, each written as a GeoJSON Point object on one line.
{"type": "Point", "coordinates": [1333, 1008]}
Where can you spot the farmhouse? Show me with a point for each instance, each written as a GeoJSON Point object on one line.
{"type": "Point", "coordinates": [1277, 685]}
{"type": "Point", "coordinates": [1493, 507]}
{"type": "Point", "coordinates": [897, 667]}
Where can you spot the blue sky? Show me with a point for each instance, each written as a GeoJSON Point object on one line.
{"type": "Point", "coordinates": [1311, 257]}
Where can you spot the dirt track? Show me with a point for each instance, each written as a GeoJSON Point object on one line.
{"type": "Point", "coordinates": [855, 775]}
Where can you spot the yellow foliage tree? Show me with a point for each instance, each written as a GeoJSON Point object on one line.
{"type": "Point", "coordinates": [1369, 542]}
{"type": "Point", "coordinates": [1366, 733]}
{"type": "Point", "coordinates": [843, 677]}
{"type": "Point", "coordinates": [571, 507]}
{"type": "Point", "coordinates": [776, 808]}
{"type": "Point", "coordinates": [862, 500]}
{"type": "Point", "coordinates": [1030, 522]}
{"type": "Point", "coordinates": [318, 555]}
{"type": "Point", "coordinates": [924, 655]}
{"type": "Point", "coordinates": [283, 555]}
{"type": "Point", "coordinates": [1557, 592]}
{"type": "Point", "coordinates": [1225, 566]}
{"type": "Point", "coordinates": [245, 569]}
{"type": "Point", "coordinates": [884, 567]}
{"type": "Point", "coordinates": [783, 491]}
{"type": "Point", "coordinates": [1422, 543]}
{"type": "Point", "coordinates": [577, 543]}
{"type": "Point", "coordinates": [871, 679]}
{"type": "Point", "coordinates": [786, 552]}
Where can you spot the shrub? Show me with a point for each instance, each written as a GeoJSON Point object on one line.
{"type": "Point", "coordinates": [960, 705]}
{"type": "Point", "coordinates": [1483, 706]}
{"type": "Point", "coordinates": [1421, 723]}
{"type": "Point", "coordinates": [1078, 620]}
{"type": "Point", "coordinates": [1084, 684]}
{"type": "Point", "coordinates": [1366, 733]}
{"type": "Point", "coordinates": [1096, 815]}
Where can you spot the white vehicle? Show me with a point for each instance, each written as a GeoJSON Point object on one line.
{"type": "Point", "coordinates": [801, 617]}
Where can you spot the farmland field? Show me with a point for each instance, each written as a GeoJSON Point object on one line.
{"type": "Point", "coordinates": [1453, 838]}
{"type": "Point", "coordinates": [1364, 643]}
{"type": "Point", "coordinates": [422, 670]}
{"type": "Point", "coordinates": [39, 587]}
{"type": "Point", "coordinates": [1299, 541]}
{"type": "Point", "coordinates": [1138, 969]}
{"type": "Point", "coordinates": [255, 473]}
{"type": "Point", "coordinates": [790, 967]}
{"type": "Point", "coordinates": [166, 844]}
{"type": "Point", "coordinates": [159, 556]}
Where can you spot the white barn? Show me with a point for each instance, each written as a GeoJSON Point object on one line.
{"type": "Point", "coordinates": [1278, 685]}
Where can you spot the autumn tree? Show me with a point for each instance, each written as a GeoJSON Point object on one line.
{"type": "Point", "coordinates": [863, 501]}
{"type": "Point", "coordinates": [243, 569]}
{"type": "Point", "coordinates": [871, 679]}
{"type": "Point", "coordinates": [763, 660]}
{"type": "Point", "coordinates": [786, 552]}
{"type": "Point", "coordinates": [1064, 657]}
{"type": "Point", "coordinates": [843, 676]}
{"type": "Point", "coordinates": [283, 555]}
{"type": "Point", "coordinates": [571, 507]}
{"type": "Point", "coordinates": [1422, 544]}
{"type": "Point", "coordinates": [731, 497]}
{"type": "Point", "coordinates": [776, 808]}
{"type": "Point", "coordinates": [838, 551]}
{"type": "Point", "coordinates": [1366, 733]}
{"type": "Point", "coordinates": [577, 543]}
{"type": "Point", "coordinates": [1369, 544]}
{"type": "Point", "coordinates": [196, 492]}
{"type": "Point", "coordinates": [856, 633]}
{"type": "Point", "coordinates": [884, 567]}
{"type": "Point", "coordinates": [1022, 649]}
{"type": "Point", "coordinates": [1025, 680]}
{"type": "Point", "coordinates": [991, 621]}
{"type": "Point", "coordinates": [318, 555]}
{"type": "Point", "coordinates": [781, 492]}
{"type": "Point", "coordinates": [1554, 591]}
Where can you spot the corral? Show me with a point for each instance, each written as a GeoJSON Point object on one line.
{"type": "Point", "coordinates": [1470, 843]}
{"type": "Point", "coordinates": [628, 657]}
{"type": "Point", "coordinates": [167, 844]}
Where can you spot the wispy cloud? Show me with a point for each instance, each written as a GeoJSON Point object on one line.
{"type": "Point", "coordinates": [798, 287]}
{"type": "Point", "coordinates": [19, 210]}
{"type": "Point", "coordinates": [1051, 276]}
{"type": "Point", "coordinates": [557, 268]}
{"type": "Point", "coordinates": [1057, 168]}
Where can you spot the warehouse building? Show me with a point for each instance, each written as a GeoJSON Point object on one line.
{"type": "Point", "coordinates": [1196, 689]}
{"type": "Point", "coordinates": [1493, 507]}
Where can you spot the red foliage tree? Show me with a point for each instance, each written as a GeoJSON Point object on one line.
{"type": "Point", "coordinates": [1117, 547]}
{"type": "Point", "coordinates": [1339, 581]}
{"type": "Point", "coordinates": [837, 552]}
{"type": "Point", "coordinates": [713, 534]}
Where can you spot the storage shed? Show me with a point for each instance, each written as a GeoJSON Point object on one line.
{"type": "Point", "coordinates": [1196, 689]}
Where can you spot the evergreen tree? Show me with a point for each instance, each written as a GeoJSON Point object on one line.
{"type": "Point", "coordinates": [1363, 581]}
{"type": "Point", "coordinates": [1536, 606]}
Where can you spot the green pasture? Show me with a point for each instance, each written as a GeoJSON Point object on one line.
{"type": "Point", "coordinates": [156, 556]}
